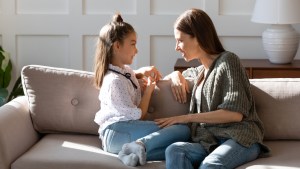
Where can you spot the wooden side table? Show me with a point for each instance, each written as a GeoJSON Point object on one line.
{"type": "Point", "coordinates": [256, 68]}
{"type": "Point", "coordinates": [182, 65]}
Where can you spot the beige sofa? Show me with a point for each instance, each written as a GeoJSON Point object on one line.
{"type": "Point", "coordinates": [52, 127]}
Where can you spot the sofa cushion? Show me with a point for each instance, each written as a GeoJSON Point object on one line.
{"type": "Point", "coordinates": [61, 100]}
{"type": "Point", "coordinates": [285, 154]}
{"type": "Point", "coordinates": [276, 103]}
{"type": "Point", "coordinates": [163, 104]}
{"type": "Point", "coordinates": [63, 151]}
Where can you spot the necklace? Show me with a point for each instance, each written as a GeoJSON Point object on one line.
{"type": "Point", "coordinates": [127, 75]}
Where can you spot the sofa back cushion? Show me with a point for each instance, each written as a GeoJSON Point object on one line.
{"type": "Point", "coordinates": [163, 103]}
{"type": "Point", "coordinates": [65, 100]}
{"type": "Point", "coordinates": [61, 100]}
{"type": "Point", "coordinates": [277, 104]}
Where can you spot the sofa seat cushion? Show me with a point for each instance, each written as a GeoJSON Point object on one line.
{"type": "Point", "coordinates": [62, 151]}
{"type": "Point", "coordinates": [285, 154]}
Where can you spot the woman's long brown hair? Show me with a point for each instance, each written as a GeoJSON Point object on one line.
{"type": "Point", "coordinates": [197, 23]}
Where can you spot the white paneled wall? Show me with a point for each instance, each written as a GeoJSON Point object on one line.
{"type": "Point", "coordinates": [102, 7]}
{"type": "Point", "coordinates": [39, 7]}
{"type": "Point", "coordinates": [63, 33]}
{"type": "Point", "coordinates": [235, 7]}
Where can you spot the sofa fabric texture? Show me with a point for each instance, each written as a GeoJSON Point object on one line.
{"type": "Point", "coordinates": [72, 100]}
{"type": "Point", "coordinates": [71, 151]}
{"type": "Point", "coordinates": [276, 103]}
{"type": "Point", "coordinates": [52, 126]}
{"type": "Point", "coordinates": [60, 100]}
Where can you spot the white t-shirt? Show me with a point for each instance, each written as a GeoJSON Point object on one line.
{"type": "Point", "coordinates": [118, 98]}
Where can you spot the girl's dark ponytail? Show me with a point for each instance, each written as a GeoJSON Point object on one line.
{"type": "Point", "coordinates": [117, 18]}
{"type": "Point", "coordinates": [116, 30]}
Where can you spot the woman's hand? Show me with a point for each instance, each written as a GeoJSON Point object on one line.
{"type": "Point", "coordinates": [149, 71]}
{"type": "Point", "coordinates": [166, 122]}
{"type": "Point", "coordinates": [179, 86]}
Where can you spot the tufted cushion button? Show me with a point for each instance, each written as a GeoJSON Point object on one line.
{"type": "Point", "coordinates": [74, 102]}
{"type": "Point", "coordinates": [150, 109]}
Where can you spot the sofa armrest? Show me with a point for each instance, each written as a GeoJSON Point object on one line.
{"type": "Point", "coordinates": [17, 134]}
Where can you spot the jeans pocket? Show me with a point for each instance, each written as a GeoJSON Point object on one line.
{"type": "Point", "coordinates": [114, 140]}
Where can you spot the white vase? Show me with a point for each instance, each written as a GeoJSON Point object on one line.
{"type": "Point", "coordinates": [281, 43]}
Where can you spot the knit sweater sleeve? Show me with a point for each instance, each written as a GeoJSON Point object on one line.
{"type": "Point", "coordinates": [192, 73]}
{"type": "Point", "coordinates": [234, 85]}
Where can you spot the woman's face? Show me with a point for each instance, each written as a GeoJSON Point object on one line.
{"type": "Point", "coordinates": [187, 45]}
{"type": "Point", "coordinates": [125, 52]}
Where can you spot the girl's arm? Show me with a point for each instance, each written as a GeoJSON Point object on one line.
{"type": "Point", "coordinates": [144, 104]}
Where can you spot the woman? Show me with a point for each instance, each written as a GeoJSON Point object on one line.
{"type": "Point", "coordinates": [226, 130]}
{"type": "Point", "coordinates": [122, 126]}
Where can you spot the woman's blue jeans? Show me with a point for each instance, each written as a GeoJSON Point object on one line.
{"type": "Point", "coordinates": [228, 155]}
{"type": "Point", "coordinates": [155, 139]}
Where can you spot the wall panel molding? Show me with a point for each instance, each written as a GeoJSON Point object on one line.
{"type": "Point", "coordinates": [42, 7]}
{"type": "Point", "coordinates": [48, 50]}
{"type": "Point", "coordinates": [159, 7]}
{"type": "Point", "coordinates": [62, 33]}
{"type": "Point", "coordinates": [244, 7]}
{"type": "Point", "coordinates": [104, 7]}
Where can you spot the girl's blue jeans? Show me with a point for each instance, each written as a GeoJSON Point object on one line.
{"type": "Point", "coordinates": [155, 139]}
{"type": "Point", "coordinates": [229, 154]}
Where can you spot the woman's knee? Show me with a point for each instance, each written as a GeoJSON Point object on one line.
{"type": "Point", "coordinates": [175, 148]}
{"type": "Point", "coordinates": [211, 162]}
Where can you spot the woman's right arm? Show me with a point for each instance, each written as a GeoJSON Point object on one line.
{"type": "Point", "coordinates": [179, 86]}
{"type": "Point", "coordinates": [218, 117]}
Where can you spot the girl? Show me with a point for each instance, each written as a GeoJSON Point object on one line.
{"type": "Point", "coordinates": [123, 108]}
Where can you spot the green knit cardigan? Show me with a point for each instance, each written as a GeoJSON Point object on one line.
{"type": "Point", "coordinates": [226, 86]}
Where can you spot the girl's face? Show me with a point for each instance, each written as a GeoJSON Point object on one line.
{"type": "Point", "coordinates": [187, 45]}
{"type": "Point", "coordinates": [125, 52]}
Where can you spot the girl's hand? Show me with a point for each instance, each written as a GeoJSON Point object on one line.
{"type": "Point", "coordinates": [143, 84]}
{"type": "Point", "coordinates": [151, 83]}
{"type": "Point", "coordinates": [149, 71]}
